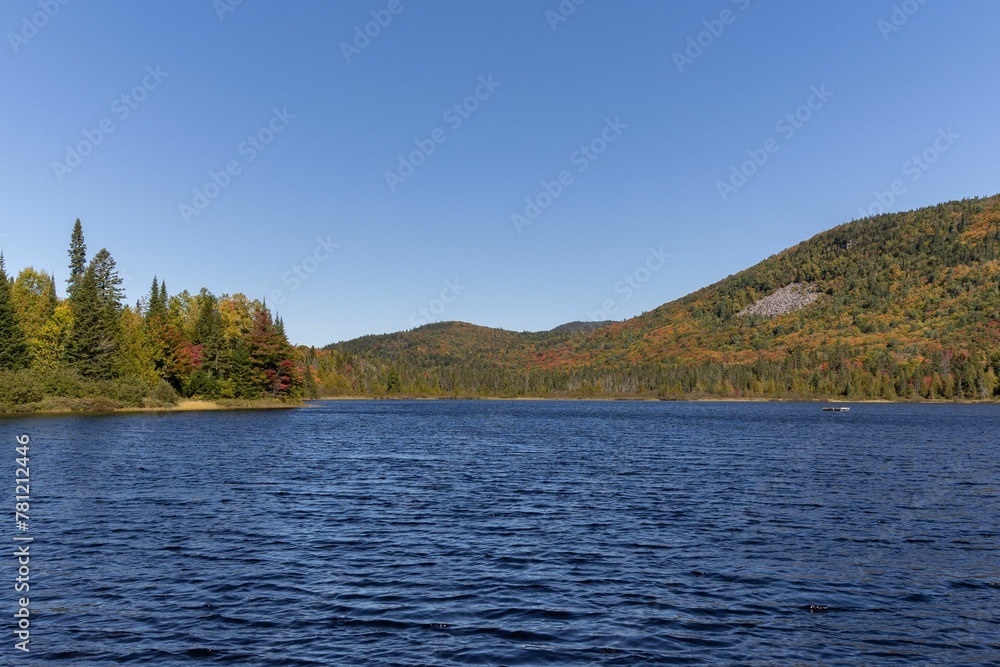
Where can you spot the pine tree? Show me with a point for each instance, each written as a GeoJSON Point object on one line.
{"type": "Point", "coordinates": [13, 345]}
{"type": "Point", "coordinates": [77, 259]}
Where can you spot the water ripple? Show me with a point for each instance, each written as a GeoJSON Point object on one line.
{"type": "Point", "coordinates": [518, 533]}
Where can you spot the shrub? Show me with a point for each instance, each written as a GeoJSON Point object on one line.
{"type": "Point", "coordinates": [18, 388]}
{"type": "Point", "coordinates": [162, 396]}
{"type": "Point", "coordinates": [65, 382]}
{"type": "Point", "coordinates": [65, 404]}
{"type": "Point", "coordinates": [226, 388]}
{"type": "Point", "coordinates": [202, 384]}
{"type": "Point", "coordinates": [128, 391]}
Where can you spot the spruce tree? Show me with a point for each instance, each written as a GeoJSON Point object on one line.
{"type": "Point", "coordinates": [246, 381]}
{"type": "Point", "coordinates": [77, 259]}
{"type": "Point", "coordinates": [208, 331]}
{"type": "Point", "coordinates": [91, 346]}
{"type": "Point", "coordinates": [13, 345]}
{"type": "Point", "coordinates": [309, 382]}
{"type": "Point", "coordinates": [155, 306]}
{"type": "Point", "coordinates": [108, 282]}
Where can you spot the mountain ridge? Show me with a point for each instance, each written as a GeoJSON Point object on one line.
{"type": "Point", "coordinates": [907, 305]}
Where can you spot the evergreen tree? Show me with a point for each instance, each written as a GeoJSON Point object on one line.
{"type": "Point", "coordinates": [91, 346]}
{"type": "Point", "coordinates": [108, 283]}
{"type": "Point", "coordinates": [309, 382]}
{"type": "Point", "coordinates": [13, 345]}
{"type": "Point", "coordinates": [245, 380]}
{"type": "Point", "coordinates": [157, 330]}
{"type": "Point", "coordinates": [208, 330]}
{"type": "Point", "coordinates": [155, 307]}
{"type": "Point", "coordinates": [77, 259]}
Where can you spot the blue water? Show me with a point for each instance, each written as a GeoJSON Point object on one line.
{"type": "Point", "coordinates": [515, 533]}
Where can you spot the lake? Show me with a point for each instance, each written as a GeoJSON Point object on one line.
{"type": "Point", "coordinates": [514, 533]}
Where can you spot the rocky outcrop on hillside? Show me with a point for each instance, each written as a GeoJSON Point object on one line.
{"type": "Point", "coordinates": [786, 300]}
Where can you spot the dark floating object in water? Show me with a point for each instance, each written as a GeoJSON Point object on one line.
{"type": "Point", "coordinates": [837, 409]}
{"type": "Point", "coordinates": [199, 652]}
{"type": "Point", "coordinates": [817, 608]}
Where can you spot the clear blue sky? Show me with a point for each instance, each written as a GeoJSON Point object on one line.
{"type": "Point", "coordinates": [893, 93]}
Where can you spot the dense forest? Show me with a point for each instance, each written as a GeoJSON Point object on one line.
{"type": "Point", "coordinates": [90, 351]}
{"type": "Point", "coordinates": [908, 307]}
{"type": "Point", "coordinates": [901, 306]}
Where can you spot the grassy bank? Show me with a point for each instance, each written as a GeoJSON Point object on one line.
{"type": "Point", "coordinates": [63, 390]}
{"type": "Point", "coordinates": [103, 405]}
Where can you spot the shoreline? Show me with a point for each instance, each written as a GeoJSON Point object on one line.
{"type": "Point", "coordinates": [197, 405]}
{"type": "Point", "coordinates": [654, 399]}
{"type": "Point", "coordinates": [189, 405]}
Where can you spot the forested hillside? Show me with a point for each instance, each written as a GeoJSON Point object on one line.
{"type": "Point", "coordinates": [904, 305]}
{"type": "Point", "coordinates": [908, 306]}
{"type": "Point", "coordinates": [91, 351]}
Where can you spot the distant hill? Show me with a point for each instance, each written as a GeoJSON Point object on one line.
{"type": "Point", "coordinates": [903, 305]}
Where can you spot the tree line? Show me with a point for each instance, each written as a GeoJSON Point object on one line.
{"type": "Point", "coordinates": [91, 350]}
{"type": "Point", "coordinates": [830, 371]}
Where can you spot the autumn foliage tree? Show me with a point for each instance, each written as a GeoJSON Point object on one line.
{"type": "Point", "coordinates": [91, 344]}
{"type": "Point", "coordinates": [13, 345]}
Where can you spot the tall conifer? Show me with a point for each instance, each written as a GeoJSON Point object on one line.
{"type": "Point", "coordinates": [109, 291]}
{"type": "Point", "coordinates": [77, 259]}
{"type": "Point", "coordinates": [154, 307]}
{"type": "Point", "coordinates": [91, 346]}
